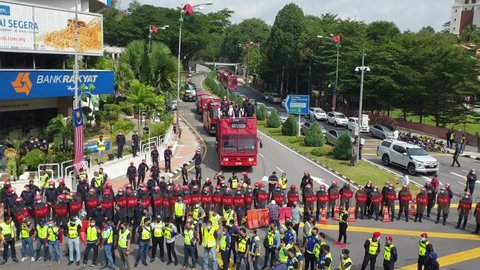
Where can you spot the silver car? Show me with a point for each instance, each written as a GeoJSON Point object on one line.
{"type": "Point", "coordinates": [305, 127]}
{"type": "Point", "coordinates": [333, 135]}
{"type": "Point", "coordinates": [275, 98]}
{"type": "Point", "coordinates": [382, 132]}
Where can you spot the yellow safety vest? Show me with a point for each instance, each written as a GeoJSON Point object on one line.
{"type": "Point", "coordinates": [283, 182]}
{"type": "Point", "coordinates": [228, 215]}
{"type": "Point", "coordinates": [42, 231]}
{"type": "Point", "coordinates": [25, 233]}
{"type": "Point", "coordinates": [53, 234]}
{"type": "Point", "coordinates": [179, 209]}
{"type": "Point", "coordinates": [388, 252]}
{"type": "Point", "coordinates": [98, 181]}
{"type": "Point", "coordinates": [422, 248]}
{"type": "Point", "coordinates": [209, 238]}
{"type": "Point", "coordinates": [373, 248]}
{"type": "Point", "coordinates": [158, 229]}
{"type": "Point", "coordinates": [92, 234]}
{"type": "Point", "coordinates": [122, 238]}
{"type": "Point", "coordinates": [234, 183]}
{"type": "Point", "coordinates": [328, 256]}
{"type": "Point", "coordinates": [196, 210]}
{"type": "Point", "coordinates": [72, 230]}
{"type": "Point", "coordinates": [223, 242]}
{"type": "Point", "coordinates": [242, 245]}
{"type": "Point", "coordinates": [214, 219]}
{"type": "Point", "coordinates": [101, 145]}
{"type": "Point", "coordinates": [189, 237]}
{"type": "Point", "coordinates": [253, 246]}
{"type": "Point", "coordinates": [271, 237]}
{"type": "Point", "coordinates": [44, 180]}
{"type": "Point", "coordinates": [146, 234]}
{"type": "Point", "coordinates": [110, 236]}
{"type": "Point", "coordinates": [345, 261]}
{"type": "Point", "coordinates": [82, 175]}
{"type": "Point", "coordinates": [283, 255]}
{"type": "Point", "coordinates": [167, 231]}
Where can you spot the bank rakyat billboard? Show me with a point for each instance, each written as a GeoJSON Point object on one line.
{"type": "Point", "coordinates": [28, 84]}
{"type": "Point", "coordinates": [28, 28]}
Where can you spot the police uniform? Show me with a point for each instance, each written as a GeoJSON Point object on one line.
{"type": "Point", "coordinates": [92, 244]}
{"type": "Point", "coordinates": [372, 248]}
{"type": "Point", "coordinates": [158, 240]}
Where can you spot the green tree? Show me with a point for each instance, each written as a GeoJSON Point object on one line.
{"type": "Point", "coordinates": [290, 127]}
{"type": "Point", "coordinates": [314, 136]}
{"type": "Point", "coordinates": [343, 147]}
{"type": "Point", "coordinates": [261, 113]}
{"type": "Point", "coordinates": [60, 128]}
{"type": "Point", "coordinates": [273, 120]}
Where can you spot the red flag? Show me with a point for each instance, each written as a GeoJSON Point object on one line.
{"type": "Point", "coordinates": [188, 9]}
{"type": "Point", "coordinates": [78, 160]}
{"type": "Point", "coordinates": [336, 39]}
{"type": "Point", "coordinates": [153, 29]}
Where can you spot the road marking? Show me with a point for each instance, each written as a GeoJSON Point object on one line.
{"type": "Point", "coordinates": [393, 172]}
{"type": "Point", "coordinates": [260, 154]}
{"type": "Point", "coordinates": [456, 174]}
{"type": "Point", "coordinates": [308, 160]}
{"type": "Point", "coordinates": [458, 236]}
{"type": "Point", "coordinates": [280, 169]}
{"type": "Point", "coordinates": [465, 171]}
{"type": "Point", "coordinates": [450, 259]}
{"type": "Point", "coordinates": [265, 179]}
{"type": "Point", "coordinates": [426, 178]}
{"type": "Point", "coordinates": [319, 181]}
{"type": "Point", "coordinates": [463, 184]}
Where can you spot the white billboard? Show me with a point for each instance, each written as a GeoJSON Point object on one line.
{"type": "Point", "coordinates": [28, 28]}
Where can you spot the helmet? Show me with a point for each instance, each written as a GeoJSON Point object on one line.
{"type": "Point", "coordinates": [73, 193]}
{"type": "Point", "coordinates": [245, 173]}
{"type": "Point", "coordinates": [177, 187]}
{"type": "Point", "coordinates": [62, 197]}
{"type": "Point", "coordinates": [229, 190]}
{"type": "Point", "coordinates": [262, 185]}
{"type": "Point", "coordinates": [322, 186]}
{"type": "Point", "coordinates": [37, 198]}
{"type": "Point", "coordinates": [107, 192]}
{"type": "Point", "coordinates": [239, 187]}
{"type": "Point", "coordinates": [121, 190]}
{"type": "Point", "coordinates": [293, 186]}
{"type": "Point", "coordinates": [334, 183]}
{"type": "Point", "coordinates": [249, 187]}
{"type": "Point", "coordinates": [61, 182]}
{"type": "Point", "coordinates": [129, 185]}
{"type": "Point", "coordinates": [169, 188]}
{"type": "Point", "coordinates": [195, 187]}
{"type": "Point", "coordinates": [257, 184]}
{"type": "Point", "coordinates": [92, 190]}
{"type": "Point", "coordinates": [218, 187]}
{"type": "Point", "coordinates": [19, 199]}
{"type": "Point", "coordinates": [156, 188]}
{"type": "Point", "coordinates": [447, 186]}
{"type": "Point", "coordinates": [305, 173]}
{"type": "Point", "coordinates": [108, 185]}
{"type": "Point", "coordinates": [208, 180]}
{"type": "Point", "coordinates": [144, 189]}
{"type": "Point", "coordinates": [51, 183]}
{"type": "Point", "coordinates": [185, 187]}
{"type": "Point", "coordinates": [207, 189]}
{"type": "Point", "coordinates": [279, 186]}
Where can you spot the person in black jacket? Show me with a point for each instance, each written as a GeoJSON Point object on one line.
{"type": "Point", "coordinates": [136, 143]}
{"type": "Point", "coordinates": [131, 174]}
{"type": "Point", "coordinates": [141, 171]}
{"type": "Point", "coordinates": [120, 143]}
{"type": "Point", "coordinates": [456, 155]}
{"type": "Point", "coordinates": [372, 248]}
{"type": "Point", "coordinates": [185, 174]}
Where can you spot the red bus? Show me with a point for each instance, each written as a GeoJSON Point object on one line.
{"type": "Point", "coordinates": [237, 142]}
{"type": "Point", "coordinates": [198, 100]}
{"type": "Point", "coordinates": [204, 100]}
{"type": "Point", "coordinates": [210, 116]}
{"type": "Point", "coordinates": [232, 82]}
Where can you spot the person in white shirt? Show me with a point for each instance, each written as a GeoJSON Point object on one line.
{"type": "Point", "coordinates": [405, 180]}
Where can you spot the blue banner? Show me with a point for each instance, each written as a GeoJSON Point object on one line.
{"type": "Point", "coordinates": [29, 84]}
{"type": "Point", "coordinates": [77, 117]}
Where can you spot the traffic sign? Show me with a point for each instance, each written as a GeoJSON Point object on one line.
{"type": "Point", "coordinates": [298, 104]}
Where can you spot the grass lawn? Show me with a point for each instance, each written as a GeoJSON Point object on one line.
{"type": "Point", "coordinates": [427, 120]}
{"type": "Point", "coordinates": [361, 173]}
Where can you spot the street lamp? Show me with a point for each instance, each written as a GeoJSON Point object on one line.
{"type": "Point", "coordinates": [154, 29]}
{"type": "Point", "coordinates": [360, 70]}
{"type": "Point", "coordinates": [187, 10]}
{"type": "Point", "coordinates": [336, 40]}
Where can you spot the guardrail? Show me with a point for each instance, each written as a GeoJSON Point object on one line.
{"type": "Point", "coordinates": [49, 167]}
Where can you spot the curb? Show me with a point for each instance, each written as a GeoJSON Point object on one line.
{"type": "Point", "coordinates": [351, 181]}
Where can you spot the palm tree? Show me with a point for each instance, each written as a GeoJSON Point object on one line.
{"type": "Point", "coordinates": [60, 128]}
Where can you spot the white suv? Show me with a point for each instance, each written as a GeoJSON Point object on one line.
{"type": "Point", "coordinates": [337, 119]}
{"type": "Point", "coordinates": [408, 156]}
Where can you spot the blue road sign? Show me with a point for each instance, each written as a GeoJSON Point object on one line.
{"type": "Point", "coordinates": [298, 104]}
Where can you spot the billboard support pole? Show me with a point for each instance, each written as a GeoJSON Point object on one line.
{"type": "Point", "coordinates": [75, 67]}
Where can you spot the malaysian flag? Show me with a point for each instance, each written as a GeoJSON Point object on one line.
{"type": "Point", "coordinates": [78, 161]}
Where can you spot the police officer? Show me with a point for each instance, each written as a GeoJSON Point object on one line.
{"type": "Point", "coordinates": [443, 201]}
{"type": "Point", "coordinates": [476, 213]}
{"type": "Point", "coordinates": [124, 244]}
{"type": "Point", "coordinates": [136, 143]}
{"type": "Point", "coordinates": [292, 195]}
{"type": "Point", "coordinates": [405, 197]}
{"type": "Point", "coordinates": [431, 197]}
{"type": "Point", "coordinates": [342, 228]}
{"type": "Point", "coordinates": [132, 202]}
{"type": "Point", "coordinates": [7, 233]}
{"type": "Point", "coordinates": [180, 209]}
{"type": "Point", "coordinates": [28, 196]}
{"type": "Point", "coordinates": [62, 189]}
{"type": "Point", "coordinates": [61, 211]}
{"type": "Point", "coordinates": [74, 203]}
{"type": "Point", "coordinates": [97, 182]}
{"type": "Point", "coordinates": [107, 204]}
{"type": "Point", "coordinates": [322, 200]}
{"type": "Point", "coordinates": [141, 171]}
{"type": "Point", "coordinates": [197, 159]}
{"type": "Point", "coordinates": [92, 233]}
{"type": "Point", "coordinates": [44, 181]}
{"type": "Point", "coordinates": [346, 194]}
{"type": "Point", "coordinates": [51, 196]}
{"type": "Point", "coordinates": [389, 254]}
{"type": "Point", "coordinates": [209, 244]}
{"type": "Point", "coordinates": [389, 198]}
{"type": "Point", "coordinates": [82, 188]}
{"type": "Point", "coordinates": [422, 200]}
{"type": "Point", "coordinates": [154, 154]}
{"type": "Point", "coordinates": [189, 247]}
{"type": "Point", "coordinates": [360, 202]}
{"type": "Point", "coordinates": [170, 233]}
{"type": "Point", "coordinates": [167, 155]}
{"type": "Point", "coordinates": [424, 248]}
{"type": "Point", "coordinates": [40, 210]}
{"type": "Point", "coordinates": [91, 202]}
{"type": "Point", "coordinates": [345, 260]}
{"type": "Point", "coordinates": [272, 184]}
{"type": "Point", "coordinates": [144, 235]}
{"type": "Point", "coordinates": [306, 180]}
{"type": "Point", "coordinates": [309, 247]}
{"type": "Point", "coordinates": [243, 244]}
{"type": "Point", "coordinates": [225, 244]}
{"type": "Point", "coordinates": [132, 174]}
{"type": "Point", "coordinates": [155, 173]}
{"type": "Point", "coordinates": [120, 140]}
{"type": "Point", "coordinates": [278, 196]}
{"type": "Point", "coordinates": [138, 217]}
{"type": "Point", "coordinates": [272, 243]}
{"type": "Point", "coordinates": [254, 248]}
{"type": "Point", "coordinates": [261, 196]}
{"type": "Point", "coordinates": [464, 207]}
{"type": "Point", "coordinates": [158, 239]}
{"type": "Point", "coordinates": [41, 235]}
{"type": "Point", "coordinates": [233, 181]}
{"type": "Point", "coordinates": [372, 248]}
{"type": "Point", "coordinates": [282, 181]}
{"type": "Point", "coordinates": [333, 195]}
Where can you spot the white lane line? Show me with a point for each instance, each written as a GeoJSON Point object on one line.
{"type": "Point", "coordinates": [465, 171]}
{"type": "Point", "coordinates": [308, 160]}
{"type": "Point", "coordinates": [260, 154]}
{"type": "Point", "coordinates": [456, 174]}
{"type": "Point", "coordinates": [463, 184]}
{"type": "Point", "coordinates": [393, 172]}
{"type": "Point", "coordinates": [426, 178]}
{"type": "Point", "coordinates": [280, 169]}
{"type": "Point", "coordinates": [265, 179]}
{"type": "Point", "coordinates": [319, 181]}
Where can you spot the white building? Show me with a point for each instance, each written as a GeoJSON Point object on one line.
{"type": "Point", "coordinates": [464, 14]}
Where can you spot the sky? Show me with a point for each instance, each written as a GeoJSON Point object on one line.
{"type": "Point", "coordinates": [406, 14]}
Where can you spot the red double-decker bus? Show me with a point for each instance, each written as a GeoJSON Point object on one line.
{"type": "Point", "coordinates": [237, 142]}
{"type": "Point", "coordinates": [210, 117]}
{"type": "Point", "coordinates": [232, 82]}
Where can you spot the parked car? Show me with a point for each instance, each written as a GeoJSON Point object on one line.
{"type": "Point", "coordinates": [284, 103]}
{"type": "Point", "coordinates": [266, 96]}
{"type": "Point", "coordinates": [383, 132]}
{"type": "Point", "coordinates": [172, 105]}
{"type": "Point", "coordinates": [283, 116]}
{"type": "Point", "coordinates": [189, 95]}
{"type": "Point", "coordinates": [305, 127]}
{"type": "Point", "coordinates": [333, 135]}
{"type": "Point", "coordinates": [337, 119]}
{"type": "Point", "coordinates": [318, 114]}
{"type": "Point", "coordinates": [275, 98]}
{"type": "Point", "coordinates": [409, 156]}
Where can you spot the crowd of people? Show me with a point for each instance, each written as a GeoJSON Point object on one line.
{"type": "Point", "coordinates": [156, 214]}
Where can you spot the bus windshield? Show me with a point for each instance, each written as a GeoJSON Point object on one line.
{"type": "Point", "coordinates": [244, 144]}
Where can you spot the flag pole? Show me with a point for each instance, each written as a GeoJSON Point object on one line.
{"type": "Point", "coordinates": [75, 67]}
